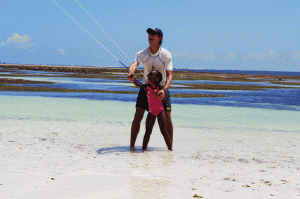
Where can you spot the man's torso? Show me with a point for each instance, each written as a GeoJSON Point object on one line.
{"type": "Point", "coordinates": [161, 61]}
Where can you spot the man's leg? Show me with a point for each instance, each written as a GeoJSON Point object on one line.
{"type": "Point", "coordinates": [167, 107]}
{"type": "Point", "coordinates": [135, 127]}
{"type": "Point", "coordinates": [170, 126]}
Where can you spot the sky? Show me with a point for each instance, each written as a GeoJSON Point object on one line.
{"type": "Point", "coordinates": [259, 35]}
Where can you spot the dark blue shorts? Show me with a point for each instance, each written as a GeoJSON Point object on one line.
{"type": "Point", "coordinates": [142, 100]}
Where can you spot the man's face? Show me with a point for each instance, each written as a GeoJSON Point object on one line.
{"type": "Point", "coordinates": [154, 39]}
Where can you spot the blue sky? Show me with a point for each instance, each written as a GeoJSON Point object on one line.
{"type": "Point", "coordinates": [207, 34]}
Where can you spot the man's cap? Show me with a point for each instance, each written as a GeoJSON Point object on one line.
{"type": "Point", "coordinates": [155, 31]}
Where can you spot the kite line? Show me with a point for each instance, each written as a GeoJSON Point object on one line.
{"type": "Point", "coordinates": [103, 30]}
{"type": "Point", "coordinates": [93, 36]}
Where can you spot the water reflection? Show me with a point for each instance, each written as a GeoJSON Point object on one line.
{"type": "Point", "coordinates": [151, 174]}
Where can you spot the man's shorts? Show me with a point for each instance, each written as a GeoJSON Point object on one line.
{"type": "Point", "coordinates": [142, 100]}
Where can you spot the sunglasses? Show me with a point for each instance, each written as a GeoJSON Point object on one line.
{"type": "Point", "coordinates": [153, 33]}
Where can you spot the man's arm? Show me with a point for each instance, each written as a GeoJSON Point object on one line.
{"type": "Point", "coordinates": [169, 79]}
{"type": "Point", "coordinates": [131, 70]}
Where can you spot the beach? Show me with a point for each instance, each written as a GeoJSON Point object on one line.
{"type": "Point", "coordinates": [79, 148]}
{"type": "Point", "coordinates": [72, 72]}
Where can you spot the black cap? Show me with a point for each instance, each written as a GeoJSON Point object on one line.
{"type": "Point", "coordinates": [156, 31]}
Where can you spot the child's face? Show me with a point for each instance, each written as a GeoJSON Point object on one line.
{"type": "Point", "coordinates": [152, 77]}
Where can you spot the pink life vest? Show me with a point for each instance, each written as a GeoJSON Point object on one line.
{"type": "Point", "coordinates": [155, 105]}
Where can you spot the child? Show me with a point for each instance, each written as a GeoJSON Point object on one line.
{"type": "Point", "coordinates": [156, 108]}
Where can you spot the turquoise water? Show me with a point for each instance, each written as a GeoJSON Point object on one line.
{"type": "Point", "coordinates": [194, 116]}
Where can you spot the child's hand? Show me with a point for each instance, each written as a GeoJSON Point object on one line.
{"type": "Point", "coordinates": [161, 94]}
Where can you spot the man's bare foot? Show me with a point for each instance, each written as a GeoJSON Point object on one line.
{"type": "Point", "coordinates": [132, 148]}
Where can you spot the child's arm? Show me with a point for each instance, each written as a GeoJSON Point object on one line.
{"type": "Point", "coordinates": [139, 84]}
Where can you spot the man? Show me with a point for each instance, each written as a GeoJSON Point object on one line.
{"type": "Point", "coordinates": [152, 58]}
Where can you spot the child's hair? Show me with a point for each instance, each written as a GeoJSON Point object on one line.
{"type": "Point", "coordinates": [159, 75]}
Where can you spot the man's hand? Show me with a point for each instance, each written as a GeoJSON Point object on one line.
{"type": "Point", "coordinates": [130, 76]}
{"type": "Point", "coordinates": [132, 68]}
{"type": "Point", "coordinates": [161, 94]}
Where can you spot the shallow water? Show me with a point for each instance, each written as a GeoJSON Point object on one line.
{"type": "Point", "coordinates": [197, 116]}
{"type": "Point", "coordinates": [192, 123]}
{"type": "Point", "coordinates": [84, 145]}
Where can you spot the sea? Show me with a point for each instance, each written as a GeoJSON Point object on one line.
{"type": "Point", "coordinates": [285, 98]}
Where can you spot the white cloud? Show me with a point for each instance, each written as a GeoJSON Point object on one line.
{"type": "Point", "coordinates": [18, 42]}
{"type": "Point", "coordinates": [295, 55]}
{"type": "Point", "coordinates": [61, 51]}
{"type": "Point", "coordinates": [229, 57]}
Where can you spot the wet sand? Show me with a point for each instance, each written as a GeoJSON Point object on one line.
{"type": "Point", "coordinates": [78, 148]}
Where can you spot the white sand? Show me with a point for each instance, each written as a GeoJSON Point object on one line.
{"type": "Point", "coordinates": [76, 148]}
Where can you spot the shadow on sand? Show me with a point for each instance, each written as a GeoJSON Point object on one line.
{"type": "Point", "coordinates": [125, 149]}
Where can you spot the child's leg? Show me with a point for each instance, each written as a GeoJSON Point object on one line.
{"type": "Point", "coordinates": [162, 121]}
{"type": "Point", "coordinates": [149, 126]}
